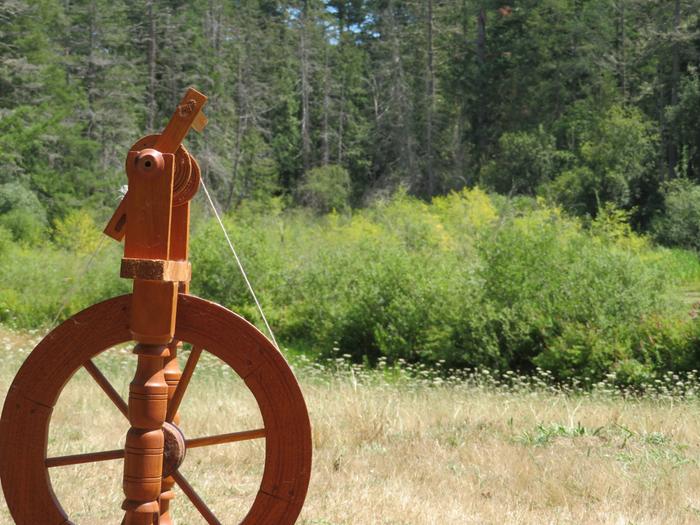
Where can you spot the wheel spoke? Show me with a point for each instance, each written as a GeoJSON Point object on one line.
{"type": "Point", "coordinates": [179, 393]}
{"type": "Point", "coordinates": [90, 457]}
{"type": "Point", "coordinates": [107, 387]}
{"type": "Point", "coordinates": [189, 491]}
{"type": "Point", "coordinates": [225, 438]}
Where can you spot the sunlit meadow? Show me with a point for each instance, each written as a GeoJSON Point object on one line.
{"type": "Point", "coordinates": [405, 445]}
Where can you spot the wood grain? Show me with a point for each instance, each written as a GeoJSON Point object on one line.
{"type": "Point", "coordinates": [220, 439]}
{"type": "Point", "coordinates": [184, 117]}
{"type": "Point", "coordinates": [155, 270]}
{"type": "Point", "coordinates": [88, 457]}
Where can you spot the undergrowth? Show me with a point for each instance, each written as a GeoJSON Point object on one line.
{"type": "Point", "coordinates": [468, 281]}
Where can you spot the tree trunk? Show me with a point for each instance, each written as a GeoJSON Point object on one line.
{"type": "Point", "coordinates": [480, 113]}
{"type": "Point", "coordinates": [90, 73]}
{"type": "Point", "coordinates": [675, 82]}
{"type": "Point", "coordinates": [430, 106]}
{"type": "Point", "coordinates": [305, 91]}
{"type": "Point", "coordinates": [325, 132]}
{"type": "Point", "coordinates": [621, 46]}
{"type": "Point", "coordinates": [240, 131]}
{"type": "Point", "coordinates": [151, 66]}
{"type": "Point", "coordinates": [481, 37]}
{"type": "Point", "coordinates": [341, 124]}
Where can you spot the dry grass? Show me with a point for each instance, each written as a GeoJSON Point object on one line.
{"type": "Point", "coordinates": [407, 451]}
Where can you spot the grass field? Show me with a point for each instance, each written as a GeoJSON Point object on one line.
{"type": "Point", "coordinates": [390, 449]}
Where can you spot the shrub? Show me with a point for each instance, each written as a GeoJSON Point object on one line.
{"type": "Point", "coordinates": [77, 232]}
{"type": "Point", "coordinates": [55, 272]}
{"type": "Point", "coordinates": [463, 282]}
{"type": "Point", "coordinates": [5, 240]}
{"type": "Point", "coordinates": [614, 158]}
{"type": "Point", "coordinates": [21, 213]}
{"type": "Point", "coordinates": [325, 188]}
{"type": "Point", "coordinates": [524, 162]}
{"type": "Point", "coordinates": [680, 223]}
{"type": "Point", "coordinates": [459, 281]}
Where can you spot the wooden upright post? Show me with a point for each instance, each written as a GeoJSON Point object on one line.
{"type": "Point", "coordinates": [152, 325]}
{"type": "Point", "coordinates": [154, 221]}
{"type": "Point", "coordinates": [143, 453]}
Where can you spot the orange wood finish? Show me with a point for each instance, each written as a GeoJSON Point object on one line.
{"type": "Point", "coordinates": [172, 374]}
{"type": "Point", "coordinates": [180, 123]}
{"type": "Point", "coordinates": [153, 219]}
{"type": "Point", "coordinates": [156, 270]}
{"type": "Point", "coordinates": [27, 411]}
{"type": "Point", "coordinates": [153, 314]}
{"type": "Point", "coordinates": [149, 226]}
{"type": "Point", "coordinates": [148, 208]}
{"type": "Point", "coordinates": [106, 455]}
{"type": "Point", "coordinates": [143, 452]}
{"type": "Point", "coordinates": [188, 114]}
{"type": "Point", "coordinates": [108, 389]}
{"type": "Point", "coordinates": [116, 227]}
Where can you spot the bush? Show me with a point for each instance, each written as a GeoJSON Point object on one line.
{"type": "Point", "coordinates": [325, 188]}
{"type": "Point", "coordinates": [461, 282]}
{"type": "Point", "coordinates": [21, 213]}
{"type": "Point", "coordinates": [458, 282]}
{"type": "Point", "coordinates": [5, 241]}
{"type": "Point", "coordinates": [680, 223]}
{"type": "Point", "coordinates": [36, 282]}
{"type": "Point", "coordinates": [77, 232]}
{"type": "Point", "coordinates": [524, 162]}
{"type": "Point", "coordinates": [614, 158]}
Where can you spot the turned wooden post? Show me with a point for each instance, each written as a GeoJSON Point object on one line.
{"type": "Point", "coordinates": [172, 375]}
{"type": "Point", "coordinates": [143, 452]}
{"type": "Point", "coordinates": [153, 219]}
{"type": "Point", "coordinates": [152, 325]}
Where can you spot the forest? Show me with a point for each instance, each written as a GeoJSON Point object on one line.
{"type": "Point", "coordinates": [583, 102]}
{"type": "Point", "coordinates": [495, 184]}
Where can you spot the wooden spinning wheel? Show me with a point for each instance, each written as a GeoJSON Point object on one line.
{"type": "Point", "coordinates": [159, 315]}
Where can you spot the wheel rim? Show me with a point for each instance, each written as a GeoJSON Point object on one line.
{"type": "Point", "coordinates": [39, 382]}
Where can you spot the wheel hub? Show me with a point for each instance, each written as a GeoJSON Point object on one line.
{"type": "Point", "coordinates": [175, 449]}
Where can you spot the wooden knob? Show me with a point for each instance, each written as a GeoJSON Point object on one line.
{"type": "Point", "coordinates": [149, 161]}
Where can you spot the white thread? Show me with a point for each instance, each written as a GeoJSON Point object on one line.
{"type": "Point", "coordinates": [73, 289]}
{"type": "Point", "coordinates": [240, 265]}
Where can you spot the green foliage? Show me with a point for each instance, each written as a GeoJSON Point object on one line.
{"type": "Point", "coordinates": [524, 161]}
{"type": "Point", "coordinates": [21, 213]}
{"type": "Point", "coordinates": [614, 158]}
{"type": "Point", "coordinates": [461, 283]}
{"type": "Point", "coordinates": [37, 280]}
{"type": "Point", "coordinates": [77, 232]}
{"type": "Point", "coordinates": [534, 100]}
{"type": "Point", "coordinates": [684, 125]}
{"type": "Point", "coordinates": [325, 188]}
{"type": "Point", "coordinates": [5, 241]}
{"type": "Point", "coordinates": [679, 225]}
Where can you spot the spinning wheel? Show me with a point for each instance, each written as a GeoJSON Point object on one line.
{"type": "Point", "coordinates": [158, 315]}
{"type": "Point", "coordinates": [72, 345]}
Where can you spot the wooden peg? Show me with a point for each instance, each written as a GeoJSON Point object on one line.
{"type": "Point", "coordinates": [186, 114]}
